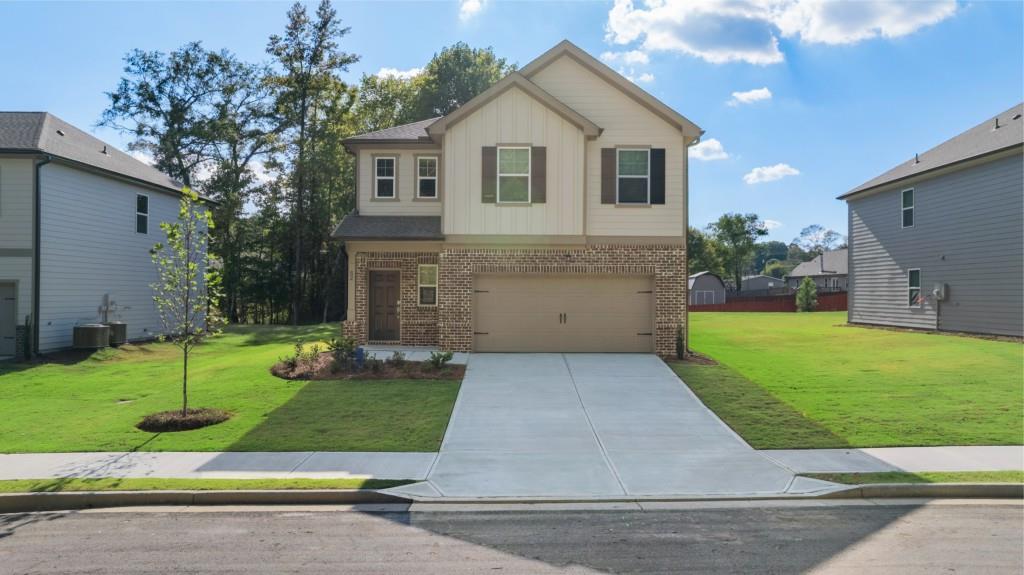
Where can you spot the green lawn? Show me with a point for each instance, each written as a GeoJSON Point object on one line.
{"type": "Point", "coordinates": [922, 477]}
{"type": "Point", "coordinates": [93, 403]}
{"type": "Point", "coordinates": [789, 380]}
{"type": "Point", "coordinates": [157, 484]}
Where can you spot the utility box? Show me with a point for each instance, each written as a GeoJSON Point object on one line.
{"type": "Point", "coordinates": [118, 333]}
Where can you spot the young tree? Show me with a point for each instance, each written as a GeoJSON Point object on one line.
{"type": "Point", "coordinates": [807, 295]}
{"type": "Point", "coordinates": [456, 75]}
{"type": "Point", "coordinates": [737, 234]}
{"type": "Point", "coordinates": [188, 287]}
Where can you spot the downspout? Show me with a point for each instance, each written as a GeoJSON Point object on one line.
{"type": "Point", "coordinates": [36, 251]}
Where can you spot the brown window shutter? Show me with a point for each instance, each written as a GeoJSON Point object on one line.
{"type": "Point", "coordinates": [657, 176]}
{"type": "Point", "coordinates": [608, 172]}
{"type": "Point", "coordinates": [489, 175]}
{"type": "Point", "coordinates": [538, 174]}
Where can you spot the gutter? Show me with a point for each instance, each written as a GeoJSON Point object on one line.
{"type": "Point", "coordinates": [36, 252]}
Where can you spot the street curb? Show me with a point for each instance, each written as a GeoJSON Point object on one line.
{"type": "Point", "coordinates": [71, 500]}
{"type": "Point", "coordinates": [930, 490]}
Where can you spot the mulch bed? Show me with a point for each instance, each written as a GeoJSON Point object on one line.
{"type": "Point", "coordinates": [323, 369]}
{"type": "Point", "coordinates": [174, 420]}
{"type": "Point", "coordinates": [694, 357]}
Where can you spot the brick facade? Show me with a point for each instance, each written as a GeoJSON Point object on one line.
{"type": "Point", "coordinates": [450, 324]}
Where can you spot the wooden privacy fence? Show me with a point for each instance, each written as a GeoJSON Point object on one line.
{"type": "Point", "coordinates": [781, 303]}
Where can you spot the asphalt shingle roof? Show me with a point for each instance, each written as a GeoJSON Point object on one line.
{"type": "Point", "coordinates": [414, 132]}
{"type": "Point", "coordinates": [41, 132]}
{"type": "Point", "coordinates": [836, 263]}
{"type": "Point", "coordinates": [356, 227]}
{"type": "Point", "coordinates": [979, 140]}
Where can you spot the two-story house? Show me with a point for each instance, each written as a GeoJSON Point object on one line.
{"type": "Point", "coordinates": [548, 214]}
{"type": "Point", "coordinates": [77, 221]}
{"type": "Point", "coordinates": [937, 242]}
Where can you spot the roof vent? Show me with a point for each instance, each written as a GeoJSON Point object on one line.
{"type": "Point", "coordinates": [104, 152]}
{"type": "Point", "coordinates": [1016, 116]}
{"type": "Point", "coordinates": [60, 132]}
{"type": "Point", "coordinates": [917, 160]}
{"type": "Point", "coordinates": [997, 124]}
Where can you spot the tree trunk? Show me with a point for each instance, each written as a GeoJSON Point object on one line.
{"type": "Point", "coordinates": [184, 386]}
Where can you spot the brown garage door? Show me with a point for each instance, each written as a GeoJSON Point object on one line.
{"type": "Point", "coordinates": [563, 314]}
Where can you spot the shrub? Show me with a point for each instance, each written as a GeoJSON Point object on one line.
{"type": "Point", "coordinates": [309, 355]}
{"type": "Point", "coordinates": [397, 359]}
{"type": "Point", "coordinates": [680, 347]}
{"type": "Point", "coordinates": [373, 364]}
{"type": "Point", "coordinates": [343, 353]}
{"type": "Point", "coordinates": [807, 295]}
{"type": "Point", "coordinates": [439, 358]}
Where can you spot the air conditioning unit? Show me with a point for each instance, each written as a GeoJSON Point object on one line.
{"type": "Point", "coordinates": [939, 292]}
{"type": "Point", "coordinates": [91, 336]}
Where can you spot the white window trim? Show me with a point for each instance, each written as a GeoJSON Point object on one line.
{"type": "Point", "coordinates": [437, 167]}
{"type": "Point", "coordinates": [393, 177]}
{"type": "Point", "coordinates": [647, 177]}
{"type": "Point", "coordinates": [138, 213]}
{"type": "Point", "coordinates": [437, 280]}
{"type": "Point", "coordinates": [528, 174]}
{"type": "Point", "coordinates": [903, 210]}
{"type": "Point", "coordinates": [920, 294]}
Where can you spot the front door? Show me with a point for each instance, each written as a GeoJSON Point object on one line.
{"type": "Point", "coordinates": [384, 290]}
{"type": "Point", "coordinates": [8, 321]}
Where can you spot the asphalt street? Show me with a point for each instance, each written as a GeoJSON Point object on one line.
{"type": "Point", "coordinates": [946, 537]}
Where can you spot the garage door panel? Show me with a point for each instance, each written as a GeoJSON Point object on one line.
{"type": "Point", "coordinates": [533, 313]}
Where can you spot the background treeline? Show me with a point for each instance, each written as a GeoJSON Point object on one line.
{"type": "Point", "coordinates": [264, 140]}
{"type": "Point", "coordinates": [731, 248]}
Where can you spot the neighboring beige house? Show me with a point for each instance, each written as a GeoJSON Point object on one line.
{"type": "Point", "coordinates": [829, 271]}
{"type": "Point", "coordinates": [547, 214]}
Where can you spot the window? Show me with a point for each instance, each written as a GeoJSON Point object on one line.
{"type": "Point", "coordinates": [914, 288]}
{"type": "Point", "coordinates": [514, 175]}
{"type": "Point", "coordinates": [426, 178]}
{"type": "Point", "coordinates": [634, 176]}
{"type": "Point", "coordinates": [908, 208]}
{"type": "Point", "coordinates": [426, 284]}
{"type": "Point", "coordinates": [832, 284]}
{"type": "Point", "coordinates": [141, 214]}
{"type": "Point", "coordinates": [385, 178]}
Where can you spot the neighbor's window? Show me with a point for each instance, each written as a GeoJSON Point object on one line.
{"type": "Point", "coordinates": [634, 176]}
{"type": "Point", "coordinates": [914, 288]}
{"type": "Point", "coordinates": [426, 178]}
{"type": "Point", "coordinates": [427, 284]}
{"type": "Point", "coordinates": [514, 175]}
{"type": "Point", "coordinates": [141, 214]}
{"type": "Point", "coordinates": [908, 208]}
{"type": "Point", "coordinates": [385, 177]}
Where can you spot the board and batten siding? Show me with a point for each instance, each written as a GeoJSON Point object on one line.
{"type": "Point", "coordinates": [514, 117]}
{"type": "Point", "coordinates": [625, 122]}
{"type": "Point", "coordinates": [90, 248]}
{"type": "Point", "coordinates": [407, 204]}
{"type": "Point", "coordinates": [16, 190]}
{"type": "Point", "coordinates": [968, 233]}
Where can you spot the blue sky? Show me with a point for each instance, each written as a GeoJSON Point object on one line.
{"type": "Point", "coordinates": [854, 87]}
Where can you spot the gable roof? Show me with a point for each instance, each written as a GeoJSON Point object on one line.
{"type": "Point", "coordinates": [517, 80]}
{"type": "Point", "coordinates": [982, 139]}
{"type": "Point", "coordinates": [659, 108]}
{"type": "Point", "coordinates": [412, 132]}
{"type": "Point", "coordinates": [836, 263]}
{"type": "Point", "coordinates": [44, 133]}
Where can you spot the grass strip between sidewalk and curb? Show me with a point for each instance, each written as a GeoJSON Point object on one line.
{"type": "Point", "coordinates": [156, 484]}
{"type": "Point", "coordinates": [920, 477]}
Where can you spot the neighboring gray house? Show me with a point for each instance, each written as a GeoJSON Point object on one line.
{"type": "Point", "coordinates": [77, 220]}
{"type": "Point", "coordinates": [706, 288]}
{"type": "Point", "coordinates": [938, 241]}
{"type": "Point", "coordinates": [828, 270]}
{"type": "Point", "coordinates": [761, 283]}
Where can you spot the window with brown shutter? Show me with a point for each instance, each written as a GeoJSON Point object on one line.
{"type": "Point", "coordinates": [538, 174]}
{"type": "Point", "coordinates": [489, 174]}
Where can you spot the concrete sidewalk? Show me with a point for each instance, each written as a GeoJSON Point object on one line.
{"type": "Point", "coordinates": [912, 459]}
{"type": "Point", "coordinates": [236, 465]}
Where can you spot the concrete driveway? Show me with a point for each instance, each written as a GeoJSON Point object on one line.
{"type": "Point", "coordinates": [590, 426]}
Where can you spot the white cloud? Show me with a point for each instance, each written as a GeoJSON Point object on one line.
{"type": "Point", "coordinates": [641, 78]}
{"type": "Point", "coordinates": [631, 57]}
{"type": "Point", "coordinates": [142, 156]}
{"type": "Point", "coordinates": [750, 96]}
{"type": "Point", "coordinates": [708, 151]}
{"type": "Point", "coordinates": [770, 173]}
{"type": "Point", "coordinates": [396, 73]}
{"type": "Point", "coordinates": [720, 31]}
{"type": "Point", "coordinates": [470, 8]}
{"type": "Point", "coordinates": [772, 224]}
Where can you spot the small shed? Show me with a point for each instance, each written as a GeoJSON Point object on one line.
{"type": "Point", "coordinates": [706, 288]}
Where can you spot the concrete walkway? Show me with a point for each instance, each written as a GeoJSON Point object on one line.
{"type": "Point", "coordinates": [912, 459]}
{"type": "Point", "coordinates": [591, 426]}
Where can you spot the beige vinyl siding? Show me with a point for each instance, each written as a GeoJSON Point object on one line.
{"type": "Point", "coordinates": [90, 248]}
{"type": "Point", "coordinates": [513, 118]}
{"type": "Point", "coordinates": [625, 123]}
{"type": "Point", "coordinates": [968, 233]}
{"type": "Point", "coordinates": [16, 203]}
{"type": "Point", "coordinates": [406, 205]}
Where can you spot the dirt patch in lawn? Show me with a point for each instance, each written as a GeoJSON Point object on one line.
{"type": "Point", "coordinates": [324, 368]}
{"type": "Point", "coordinates": [175, 420]}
